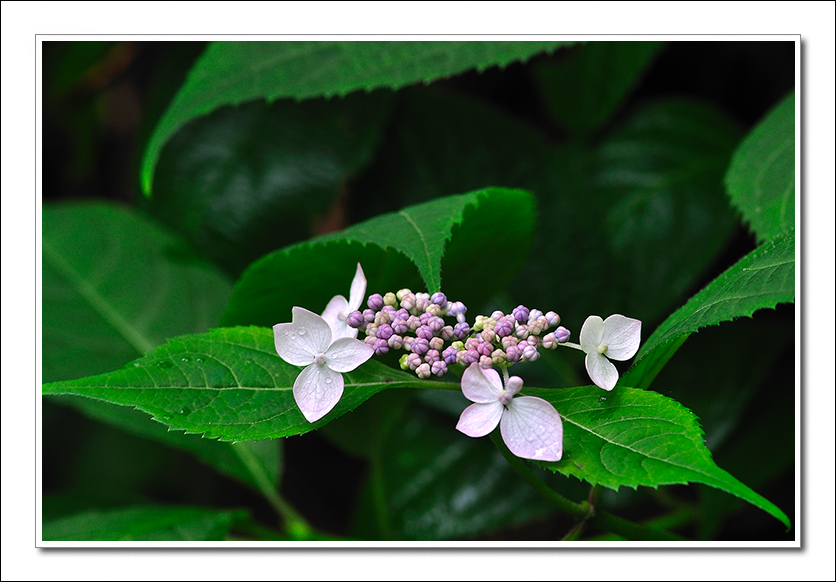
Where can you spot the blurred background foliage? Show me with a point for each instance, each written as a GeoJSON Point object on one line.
{"type": "Point", "coordinates": [624, 145]}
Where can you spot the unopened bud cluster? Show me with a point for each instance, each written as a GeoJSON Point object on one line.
{"type": "Point", "coordinates": [416, 324]}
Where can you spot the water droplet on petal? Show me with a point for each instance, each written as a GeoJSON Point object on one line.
{"type": "Point", "coordinates": [302, 331]}
{"type": "Point", "coordinates": [327, 380]}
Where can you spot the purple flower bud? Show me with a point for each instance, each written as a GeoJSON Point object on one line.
{"type": "Point", "coordinates": [521, 313]}
{"type": "Point", "coordinates": [368, 315]}
{"type": "Point", "coordinates": [402, 314]}
{"type": "Point", "coordinates": [503, 328]}
{"type": "Point", "coordinates": [382, 317]}
{"type": "Point", "coordinates": [457, 309]}
{"type": "Point", "coordinates": [402, 293]}
{"type": "Point", "coordinates": [399, 326]}
{"type": "Point", "coordinates": [435, 323]}
{"type": "Point", "coordinates": [461, 358]}
{"type": "Point", "coordinates": [497, 315]}
{"type": "Point", "coordinates": [370, 339]}
{"type": "Point", "coordinates": [488, 335]}
{"type": "Point", "coordinates": [534, 314]}
{"type": "Point", "coordinates": [381, 346]}
{"type": "Point", "coordinates": [521, 331]}
{"type": "Point", "coordinates": [472, 342]}
{"type": "Point", "coordinates": [439, 368]}
{"type": "Point", "coordinates": [425, 332]}
{"type": "Point", "coordinates": [561, 334]}
{"type": "Point", "coordinates": [446, 333]}
{"type": "Point", "coordinates": [432, 356]}
{"type": "Point", "coordinates": [375, 301]}
{"type": "Point", "coordinates": [407, 342]}
{"type": "Point", "coordinates": [421, 303]}
{"type": "Point", "coordinates": [395, 342]}
{"type": "Point", "coordinates": [485, 362]}
{"type": "Point", "coordinates": [530, 353]}
{"type": "Point", "coordinates": [549, 341]}
{"type": "Point", "coordinates": [355, 319]}
{"type": "Point", "coordinates": [552, 318]}
{"type": "Point", "coordinates": [371, 329]}
{"type": "Point", "coordinates": [512, 354]}
{"type": "Point", "coordinates": [423, 371]}
{"type": "Point", "coordinates": [413, 361]}
{"type": "Point", "coordinates": [408, 301]}
{"type": "Point", "coordinates": [424, 318]}
{"type": "Point", "coordinates": [449, 355]}
{"type": "Point", "coordinates": [413, 323]}
{"type": "Point", "coordinates": [439, 299]}
{"type": "Point", "coordinates": [509, 341]}
{"type": "Point", "coordinates": [461, 330]}
{"type": "Point", "coordinates": [419, 346]}
{"type": "Point", "coordinates": [384, 332]}
{"type": "Point", "coordinates": [433, 309]}
{"type": "Point", "coordinates": [471, 356]}
{"type": "Point", "coordinates": [436, 343]}
{"type": "Point", "coordinates": [485, 348]}
{"type": "Point", "coordinates": [533, 340]}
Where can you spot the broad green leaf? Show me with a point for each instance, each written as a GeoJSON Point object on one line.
{"type": "Point", "coordinates": [637, 437]}
{"type": "Point", "coordinates": [256, 464]}
{"type": "Point", "coordinates": [310, 273]}
{"type": "Point", "coordinates": [583, 90]}
{"type": "Point", "coordinates": [230, 73]}
{"type": "Point", "coordinates": [761, 177]}
{"type": "Point", "coordinates": [144, 524]}
{"type": "Point", "coordinates": [228, 384]}
{"type": "Point", "coordinates": [761, 279]}
{"type": "Point", "coordinates": [115, 285]}
{"type": "Point", "coordinates": [245, 181]}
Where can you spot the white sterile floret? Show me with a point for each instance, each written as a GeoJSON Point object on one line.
{"type": "Point", "coordinates": [530, 426]}
{"type": "Point", "coordinates": [616, 338]}
{"type": "Point", "coordinates": [338, 308]}
{"type": "Point", "coordinates": [307, 341]}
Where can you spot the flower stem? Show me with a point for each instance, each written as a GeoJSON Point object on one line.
{"type": "Point", "coordinates": [584, 511]}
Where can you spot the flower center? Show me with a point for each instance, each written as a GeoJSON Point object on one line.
{"type": "Point", "coordinates": [505, 397]}
{"type": "Point", "coordinates": [602, 348]}
{"type": "Point", "coordinates": [319, 359]}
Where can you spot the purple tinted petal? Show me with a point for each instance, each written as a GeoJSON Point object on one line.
{"type": "Point", "coordinates": [481, 385]}
{"type": "Point", "coordinates": [334, 315]}
{"type": "Point", "coordinates": [301, 340]}
{"type": "Point", "coordinates": [345, 354]}
{"type": "Point", "coordinates": [622, 336]}
{"type": "Point", "coordinates": [477, 420]}
{"type": "Point", "coordinates": [532, 429]}
{"type": "Point", "coordinates": [317, 390]}
{"type": "Point", "coordinates": [601, 370]}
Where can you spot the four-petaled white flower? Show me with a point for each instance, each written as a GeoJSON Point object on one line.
{"type": "Point", "coordinates": [616, 337]}
{"type": "Point", "coordinates": [308, 341]}
{"type": "Point", "coordinates": [338, 308]}
{"type": "Point", "coordinates": [530, 426]}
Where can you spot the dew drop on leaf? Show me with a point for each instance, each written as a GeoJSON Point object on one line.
{"type": "Point", "coordinates": [185, 411]}
{"type": "Point", "coordinates": [136, 364]}
{"type": "Point", "coordinates": [184, 359]}
{"type": "Point", "coordinates": [602, 399]}
{"type": "Point", "coordinates": [198, 359]}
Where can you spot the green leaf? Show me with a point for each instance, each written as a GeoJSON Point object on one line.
{"type": "Point", "coordinates": [256, 464]}
{"type": "Point", "coordinates": [230, 73]}
{"type": "Point", "coordinates": [116, 285]}
{"type": "Point", "coordinates": [144, 524]}
{"type": "Point", "coordinates": [245, 181]}
{"type": "Point", "coordinates": [761, 177]}
{"type": "Point", "coordinates": [269, 289]}
{"type": "Point", "coordinates": [584, 90]}
{"type": "Point", "coordinates": [761, 279]}
{"type": "Point", "coordinates": [637, 437]}
{"type": "Point", "coordinates": [228, 384]}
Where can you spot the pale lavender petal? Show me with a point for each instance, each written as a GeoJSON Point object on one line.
{"type": "Point", "coordinates": [622, 336]}
{"type": "Point", "coordinates": [358, 289]}
{"type": "Point", "coordinates": [477, 420]}
{"type": "Point", "coordinates": [481, 385]}
{"type": "Point", "coordinates": [591, 333]}
{"type": "Point", "coordinates": [317, 390]}
{"type": "Point", "coordinates": [513, 385]}
{"type": "Point", "coordinates": [335, 316]}
{"type": "Point", "coordinates": [601, 370]}
{"type": "Point", "coordinates": [301, 340]}
{"type": "Point", "coordinates": [532, 429]}
{"type": "Point", "coordinates": [345, 354]}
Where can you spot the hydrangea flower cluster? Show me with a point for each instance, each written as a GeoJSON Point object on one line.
{"type": "Point", "coordinates": [435, 335]}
